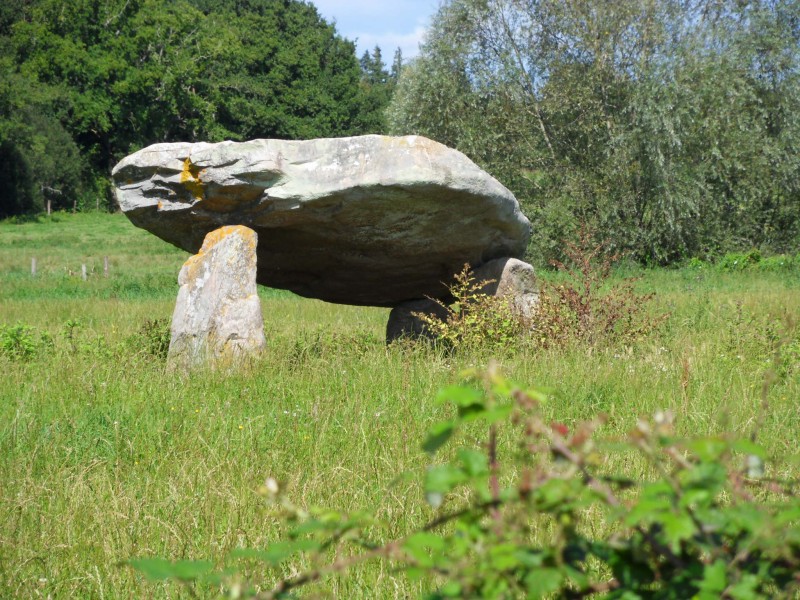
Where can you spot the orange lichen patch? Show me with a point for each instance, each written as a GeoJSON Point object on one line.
{"type": "Point", "coordinates": [247, 235]}
{"type": "Point", "coordinates": [190, 178]}
{"type": "Point", "coordinates": [216, 236]}
{"type": "Point", "coordinates": [160, 205]}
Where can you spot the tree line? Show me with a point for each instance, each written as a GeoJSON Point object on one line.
{"type": "Point", "coordinates": [84, 83]}
{"type": "Point", "coordinates": [669, 127]}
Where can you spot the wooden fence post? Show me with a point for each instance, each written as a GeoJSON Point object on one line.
{"type": "Point", "coordinates": [83, 272]}
{"type": "Point", "coordinates": [33, 267]}
{"type": "Point", "coordinates": [105, 266]}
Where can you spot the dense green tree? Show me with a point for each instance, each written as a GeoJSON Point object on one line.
{"type": "Point", "coordinates": [377, 89]}
{"type": "Point", "coordinates": [123, 74]}
{"type": "Point", "coordinates": [39, 161]}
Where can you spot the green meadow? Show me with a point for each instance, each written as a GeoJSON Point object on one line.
{"type": "Point", "coordinates": [106, 456]}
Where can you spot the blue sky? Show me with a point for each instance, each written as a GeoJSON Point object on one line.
{"type": "Point", "coordinates": [387, 23]}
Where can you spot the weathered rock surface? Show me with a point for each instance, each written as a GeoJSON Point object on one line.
{"type": "Point", "coordinates": [369, 220]}
{"type": "Point", "coordinates": [217, 319]}
{"type": "Point", "coordinates": [511, 278]}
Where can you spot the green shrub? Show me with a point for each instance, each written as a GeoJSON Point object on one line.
{"type": "Point", "coordinates": [696, 264]}
{"type": "Point", "coordinates": [22, 342]}
{"type": "Point", "coordinates": [550, 519]}
{"type": "Point", "coordinates": [739, 261]}
{"type": "Point", "coordinates": [475, 319]}
{"type": "Point", "coordinates": [586, 307]}
{"type": "Point", "coordinates": [780, 262]}
{"type": "Point", "coordinates": [153, 337]}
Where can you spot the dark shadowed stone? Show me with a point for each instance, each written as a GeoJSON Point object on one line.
{"type": "Point", "coordinates": [404, 320]}
{"type": "Point", "coordinates": [369, 220]}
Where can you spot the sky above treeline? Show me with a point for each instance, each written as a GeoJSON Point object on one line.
{"type": "Point", "coordinates": [387, 23]}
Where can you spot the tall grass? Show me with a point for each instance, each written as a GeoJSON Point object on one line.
{"type": "Point", "coordinates": [105, 456]}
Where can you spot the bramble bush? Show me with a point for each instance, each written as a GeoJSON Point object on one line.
{"type": "Point", "coordinates": [548, 516]}
{"type": "Point", "coordinates": [587, 307]}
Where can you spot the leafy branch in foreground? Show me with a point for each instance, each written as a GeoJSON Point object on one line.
{"type": "Point", "coordinates": [551, 519]}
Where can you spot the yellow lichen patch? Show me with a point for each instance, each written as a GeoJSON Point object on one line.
{"type": "Point", "coordinates": [190, 178]}
{"type": "Point", "coordinates": [193, 263]}
{"type": "Point", "coordinates": [213, 238]}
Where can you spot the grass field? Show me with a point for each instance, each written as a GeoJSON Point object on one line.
{"type": "Point", "coordinates": [105, 456]}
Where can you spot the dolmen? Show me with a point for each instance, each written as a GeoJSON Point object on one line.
{"type": "Point", "coordinates": [369, 220]}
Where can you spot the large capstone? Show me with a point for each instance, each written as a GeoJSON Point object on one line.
{"type": "Point", "coordinates": [217, 319]}
{"type": "Point", "coordinates": [369, 220]}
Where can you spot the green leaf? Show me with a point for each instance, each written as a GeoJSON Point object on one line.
{"type": "Point", "coordinates": [438, 436]}
{"type": "Point", "coordinates": [476, 463]}
{"type": "Point", "coordinates": [748, 447]}
{"type": "Point", "coordinates": [460, 395]}
{"type": "Point", "coordinates": [486, 416]}
{"type": "Point", "coordinates": [443, 478]}
{"type": "Point", "coordinates": [503, 557]}
{"type": "Point", "coordinates": [542, 582]}
{"type": "Point", "coordinates": [158, 569]}
{"type": "Point", "coordinates": [554, 493]}
{"type": "Point", "coordinates": [708, 449]}
{"type": "Point", "coordinates": [278, 551]}
{"type": "Point", "coordinates": [677, 528]}
{"type": "Point", "coordinates": [714, 578]}
{"type": "Point", "coordinates": [746, 588]}
{"type": "Point", "coordinates": [423, 547]}
{"type": "Point", "coordinates": [696, 497]}
{"type": "Point", "coordinates": [451, 589]}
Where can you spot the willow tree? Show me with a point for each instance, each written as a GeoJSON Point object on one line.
{"type": "Point", "coordinates": [668, 125]}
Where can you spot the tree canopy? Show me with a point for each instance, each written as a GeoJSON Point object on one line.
{"type": "Point", "coordinates": [85, 82]}
{"type": "Point", "coordinates": [669, 126]}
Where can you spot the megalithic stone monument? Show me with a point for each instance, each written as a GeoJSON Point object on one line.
{"type": "Point", "coordinates": [217, 319]}
{"type": "Point", "coordinates": [370, 220]}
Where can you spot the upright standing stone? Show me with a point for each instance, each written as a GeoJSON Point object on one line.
{"type": "Point", "coordinates": [217, 319]}
{"type": "Point", "coordinates": [513, 279]}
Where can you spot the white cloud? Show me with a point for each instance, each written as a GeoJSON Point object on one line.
{"type": "Point", "coordinates": [387, 23]}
